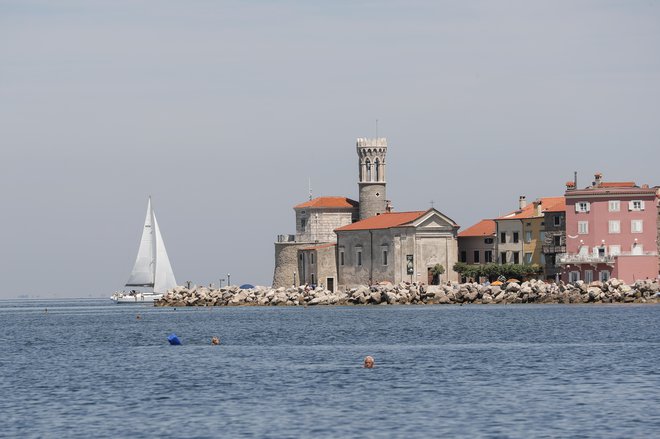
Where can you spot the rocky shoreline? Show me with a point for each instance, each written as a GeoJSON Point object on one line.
{"type": "Point", "coordinates": [533, 291]}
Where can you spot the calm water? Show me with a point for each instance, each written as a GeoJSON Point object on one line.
{"type": "Point", "coordinates": [89, 368]}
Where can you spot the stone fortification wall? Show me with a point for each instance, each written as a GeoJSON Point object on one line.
{"type": "Point", "coordinates": [286, 263]}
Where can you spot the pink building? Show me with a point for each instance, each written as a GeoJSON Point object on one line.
{"type": "Point", "coordinates": [611, 231]}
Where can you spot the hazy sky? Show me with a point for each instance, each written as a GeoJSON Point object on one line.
{"type": "Point", "coordinates": [222, 111]}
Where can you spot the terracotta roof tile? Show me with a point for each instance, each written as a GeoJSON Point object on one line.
{"type": "Point", "coordinates": [617, 184]}
{"type": "Point", "coordinates": [384, 221]}
{"type": "Point", "coordinates": [548, 204]}
{"type": "Point", "coordinates": [482, 228]}
{"type": "Point", "coordinates": [336, 202]}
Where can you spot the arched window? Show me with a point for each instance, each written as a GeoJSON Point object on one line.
{"type": "Point", "coordinates": [377, 169]}
{"type": "Point", "coordinates": [368, 170]}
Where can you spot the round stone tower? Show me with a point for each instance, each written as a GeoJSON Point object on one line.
{"type": "Point", "coordinates": [371, 153]}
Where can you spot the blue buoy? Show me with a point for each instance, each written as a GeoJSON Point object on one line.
{"type": "Point", "coordinates": [173, 339]}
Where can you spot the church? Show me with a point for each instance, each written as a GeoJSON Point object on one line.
{"type": "Point", "coordinates": [341, 243]}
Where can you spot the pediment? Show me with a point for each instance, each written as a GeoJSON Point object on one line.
{"type": "Point", "coordinates": [434, 219]}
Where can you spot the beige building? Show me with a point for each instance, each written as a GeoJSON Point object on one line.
{"type": "Point", "coordinates": [316, 220]}
{"type": "Point", "coordinates": [521, 234]}
{"type": "Point", "coordinates": [476, 244]}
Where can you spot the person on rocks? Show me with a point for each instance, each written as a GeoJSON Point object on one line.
{"type": "Point", "coordinates": [368, 362]}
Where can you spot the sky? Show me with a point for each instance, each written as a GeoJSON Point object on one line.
{"type": "Point", "coordinates": [224, 111]}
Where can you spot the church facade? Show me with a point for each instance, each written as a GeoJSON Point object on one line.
{"type": "Point", "coordinates": [341, 243]}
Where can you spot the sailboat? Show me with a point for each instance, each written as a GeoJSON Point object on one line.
{"type": "Point", "coordinates": [152, 270]}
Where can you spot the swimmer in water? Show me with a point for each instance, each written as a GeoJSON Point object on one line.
{"type": "Point", "coordinates": [368, 362]}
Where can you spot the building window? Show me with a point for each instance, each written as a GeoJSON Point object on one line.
{"type": "Point", "coordinates": [614, 206]}
{"type": "Point", "coordinates": [516, 257]}
{"type": "Point", "coordinates": [488, 256]}
{"type": "Point", "coordinates": [528, 237]}
{"type": "Point", "coordinates": [515, 237]}
{"type": "Point", "coordinates": [636, 205]}
{"type": "Point", "coordinates": [528, 258]}
{"type": "Point", "coordinates": [503, 258]}
{"type": "Point", "coordinates": [582, 206]}
{"type": "Point", "coordinates": [312, 275]}
{"type": "Point", "coordinates": [615, 250]}
{"type": "Point", "coordinates": [476, 256]}
{"type": "Point", "coordinates": [557, 221]}
{"type": "Point", "coordinates": [615, 226]}
{"type": "Point", "coordinates": [384, 256]}
{"type": "Point", "coordinates": [636, 226]}
{"type": "Point", "coordinates": [341, 257]}
{"type": "Point", "coordinates": [588, 276]}
{"type": "Point", "coordinates": [503, 238]}
{"type": "Point", "coordinates": [573, 276]}
{"type": "Point", "coordinates": [311, 258]}
{"type": "Point", "coordinates": [358, 257]}
{"type": "Point", "coordinates": [556, 240]}
{"type": "Point", "coordinates": [488, 240]}
{"type": "Point", "coordinates": [583, 227]}
{"type": "Point", "coordinates": [463, 256]}
{"type": "Point", "coordinates": [604, 276]}
{"type": "Point", "coordinates": [303, 224]}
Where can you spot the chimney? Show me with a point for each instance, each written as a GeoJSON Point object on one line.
{"type": "Point", "coordinates": [388, 206]}
{"type": "Point", "coordinates": [522, 202]}
{"type": "Point", "coordinates": [598, 178]}
{"type": "Point", "coordinates": [537, 208]}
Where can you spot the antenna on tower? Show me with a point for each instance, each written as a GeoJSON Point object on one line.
{"type": "Point", "coordinates": [310, 188]}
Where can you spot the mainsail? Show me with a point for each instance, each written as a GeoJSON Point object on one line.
{"type": "Point", "coordinates": [152, 266]}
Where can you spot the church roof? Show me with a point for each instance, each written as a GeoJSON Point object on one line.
{"type": "Point", "coordinates": [482, 228]}
{"type": "Point", "coordinates": [384, 221]}
{"type": "Point", "coordinates": [331, 202]}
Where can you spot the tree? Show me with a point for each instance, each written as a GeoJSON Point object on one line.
{"type": "Point", "coordinates": [492, 271]}
{"type": "Point", "coordinates": [437, 270]}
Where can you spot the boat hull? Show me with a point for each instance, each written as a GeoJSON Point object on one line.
{"type": "Point", "coordinates": [135, 298]}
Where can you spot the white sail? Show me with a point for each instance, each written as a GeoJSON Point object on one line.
{"type": "Point", "coordinates": [142, 274]}
{"type": "Point", "coordinates": [164, 276]}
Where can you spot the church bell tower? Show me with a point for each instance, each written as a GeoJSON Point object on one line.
{"type": "Point", "coordinates": [371, 154]}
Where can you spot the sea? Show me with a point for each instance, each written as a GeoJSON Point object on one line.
{"type": "Point", "coordinates": [89, 368]}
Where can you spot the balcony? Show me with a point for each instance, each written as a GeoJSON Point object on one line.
{"type": "Point", "coordinates": [595, 259]}
{"type": "Point", "coordinates": [286, 238]}
{"type": "Point", "coordinates": [548, 249]}
{"type": "Point", "coordinates": [585, 259]}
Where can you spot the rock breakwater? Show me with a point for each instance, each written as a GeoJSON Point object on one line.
{"type": "Point", "coordinates": [533, 291]}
